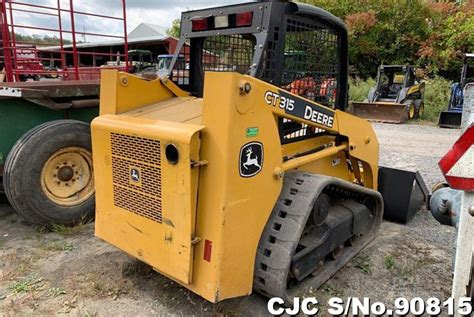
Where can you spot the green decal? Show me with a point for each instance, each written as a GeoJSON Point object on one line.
{"type": "Point", "coordinates": [252, 132]}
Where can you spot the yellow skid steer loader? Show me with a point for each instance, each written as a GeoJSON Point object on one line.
{"type": "Point", "coordinates": [247, 175]}
{"type": "Point", "coordinates": [396, 98]}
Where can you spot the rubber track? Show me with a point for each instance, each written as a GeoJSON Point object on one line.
{"type": "Point", "coordinates": [285, 226]}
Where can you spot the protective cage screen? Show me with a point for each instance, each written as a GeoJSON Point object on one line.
{"type": "Point", "coordinates": [310, 70]}
{"type": "Point", "coordinates": [230, 53]}
{"type": "Point", "coordinates": [180, 73]}
{"type": "Point", "coordinates": [220, 53]}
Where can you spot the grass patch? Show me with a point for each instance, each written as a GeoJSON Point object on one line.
{"type": "Point", "coordinates": [31, 283]}
{"type": "Point", "coordinates": [437, 94]}
{"type": "Point", "coordinates": [359, 89]}
{"type": "Point", "coordinates": [103, 290]}
{"type": "Point", "coordinates": [55, 292]}
{"type": "Point", "coordinates": [66, 230]}
{"type": "Point", "coordinates": [17, 266]}
{"type": "Point", "coordinates": [404, 271]}
{"type": "Point", "coordinates": [362, 262]}
{"type": "Point", "coordinates": [57, 246]}
{"type": "Point", "coordinates": [40, 229]}
{"type": "Point", "coordinates": [389, 262]}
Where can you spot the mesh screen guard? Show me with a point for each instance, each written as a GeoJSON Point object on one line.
{"type": "Point", "coordinates": [303, 50]}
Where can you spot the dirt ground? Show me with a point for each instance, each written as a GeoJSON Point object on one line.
{"type": "Point", "coordinates": [69, 271]}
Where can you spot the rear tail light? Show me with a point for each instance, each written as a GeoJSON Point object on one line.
{"type": "Point", "coordinates": [244, 19]}
{"type": "Point", "coordinates": [200, 24]}
{"type": "Point", "coordinates": [222, 22]}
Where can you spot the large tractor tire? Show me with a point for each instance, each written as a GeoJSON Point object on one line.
{"type": "Point", "coordinates": [48, 175]}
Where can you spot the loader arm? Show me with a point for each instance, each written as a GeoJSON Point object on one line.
{"type": "Point", "coordinates": [355, 135]}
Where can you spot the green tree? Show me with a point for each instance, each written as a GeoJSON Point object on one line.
{"type": "Point", "coordinates": [175, 28]}
{"type": "Point", "coordinates": [381, 31]}
{"type": "Point", "coordinates": [40, 39]}
{"type": "Point", "coordinates": [451, 35]}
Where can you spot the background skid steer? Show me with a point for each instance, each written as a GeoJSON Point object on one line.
{"type": "Point", "coordinates": [227, 182]}
{"type": "Point", "coordinates": [396, 98]}
{"type": "Point", "coordinates": [453, 116]}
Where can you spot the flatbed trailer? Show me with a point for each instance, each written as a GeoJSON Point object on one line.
{"type": "Point", "coordinates": [45, 156]}
{"type": "Point", "coordinates": [40, 123]}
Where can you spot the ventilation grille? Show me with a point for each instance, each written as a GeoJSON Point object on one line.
{"type": "Point", "coordinates": [150, 176]}
{"type": "Point", "coordinates": [138, 203]}
{"type": "Point", "coordinates": [141, 196]}
{"type": "Point", "coordinates": [136, 148]}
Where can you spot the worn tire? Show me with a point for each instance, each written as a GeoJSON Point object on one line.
{"type": "Point", "coordinates": [24, 170]}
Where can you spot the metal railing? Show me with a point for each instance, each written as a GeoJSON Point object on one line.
{"type": "Point", "coordinates": [64, 57]}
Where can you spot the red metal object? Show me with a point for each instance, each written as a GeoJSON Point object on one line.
{"type": "Point", "coordinates": [200, 24]}
{"type": "Point", "coordinates": [64, 55]}
{"type": "Point", "coordinates": [207, 250]}
{"type": "Point", "coordinates": [457, 165]}
{"type": "Point", "coordinates": [244, 18]}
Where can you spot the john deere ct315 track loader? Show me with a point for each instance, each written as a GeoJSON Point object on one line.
{"type": "Point", "coordinates": [398, 96]}
{"type": "Point", "coordinates": [240, 179]}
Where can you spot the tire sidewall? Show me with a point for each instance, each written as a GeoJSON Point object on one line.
{"type": "Point", "coordinates": [25, 174]}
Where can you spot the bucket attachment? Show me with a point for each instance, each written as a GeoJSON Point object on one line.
{"type": "Point", "coordinates": [403, 193]}
{"type": "Point", "coordinates": [450, 119]}
{"type": "Point", "coordinates": [380, 111]}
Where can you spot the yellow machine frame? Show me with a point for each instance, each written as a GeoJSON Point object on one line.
{"type": "Point", "coordinates": [202, 226]}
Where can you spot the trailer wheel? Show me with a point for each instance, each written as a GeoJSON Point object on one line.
{"type": "Point", "coordinates": [48, 174]}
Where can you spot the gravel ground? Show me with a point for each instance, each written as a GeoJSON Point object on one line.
{"type": "Point", "coordinates": [72, 272]}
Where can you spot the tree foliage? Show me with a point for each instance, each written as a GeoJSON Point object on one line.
{"type": "Point", "coordinates": [175, 28]}
{"type": "Point", "coordinates": [420, 32]}
{"type": "Point", "coordinates": [452, 35]}
{"type": "Point", "coordinates": [40, 39]}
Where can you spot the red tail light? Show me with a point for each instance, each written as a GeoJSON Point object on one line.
{"type": "Point", "coordinates": [244, 19]}
{"type": "Point", "coordinates": [200, 24]}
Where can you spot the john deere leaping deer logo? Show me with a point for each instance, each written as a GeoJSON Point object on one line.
{"type": "Point", "coordinates": [251, 159]}
{"type": "Point", "coordinates": [135, 177]}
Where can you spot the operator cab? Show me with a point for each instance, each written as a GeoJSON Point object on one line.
{"type": "Point", "coordinates": [297, 47]}
{"type": "Point", "coordinates": [392, 79]}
